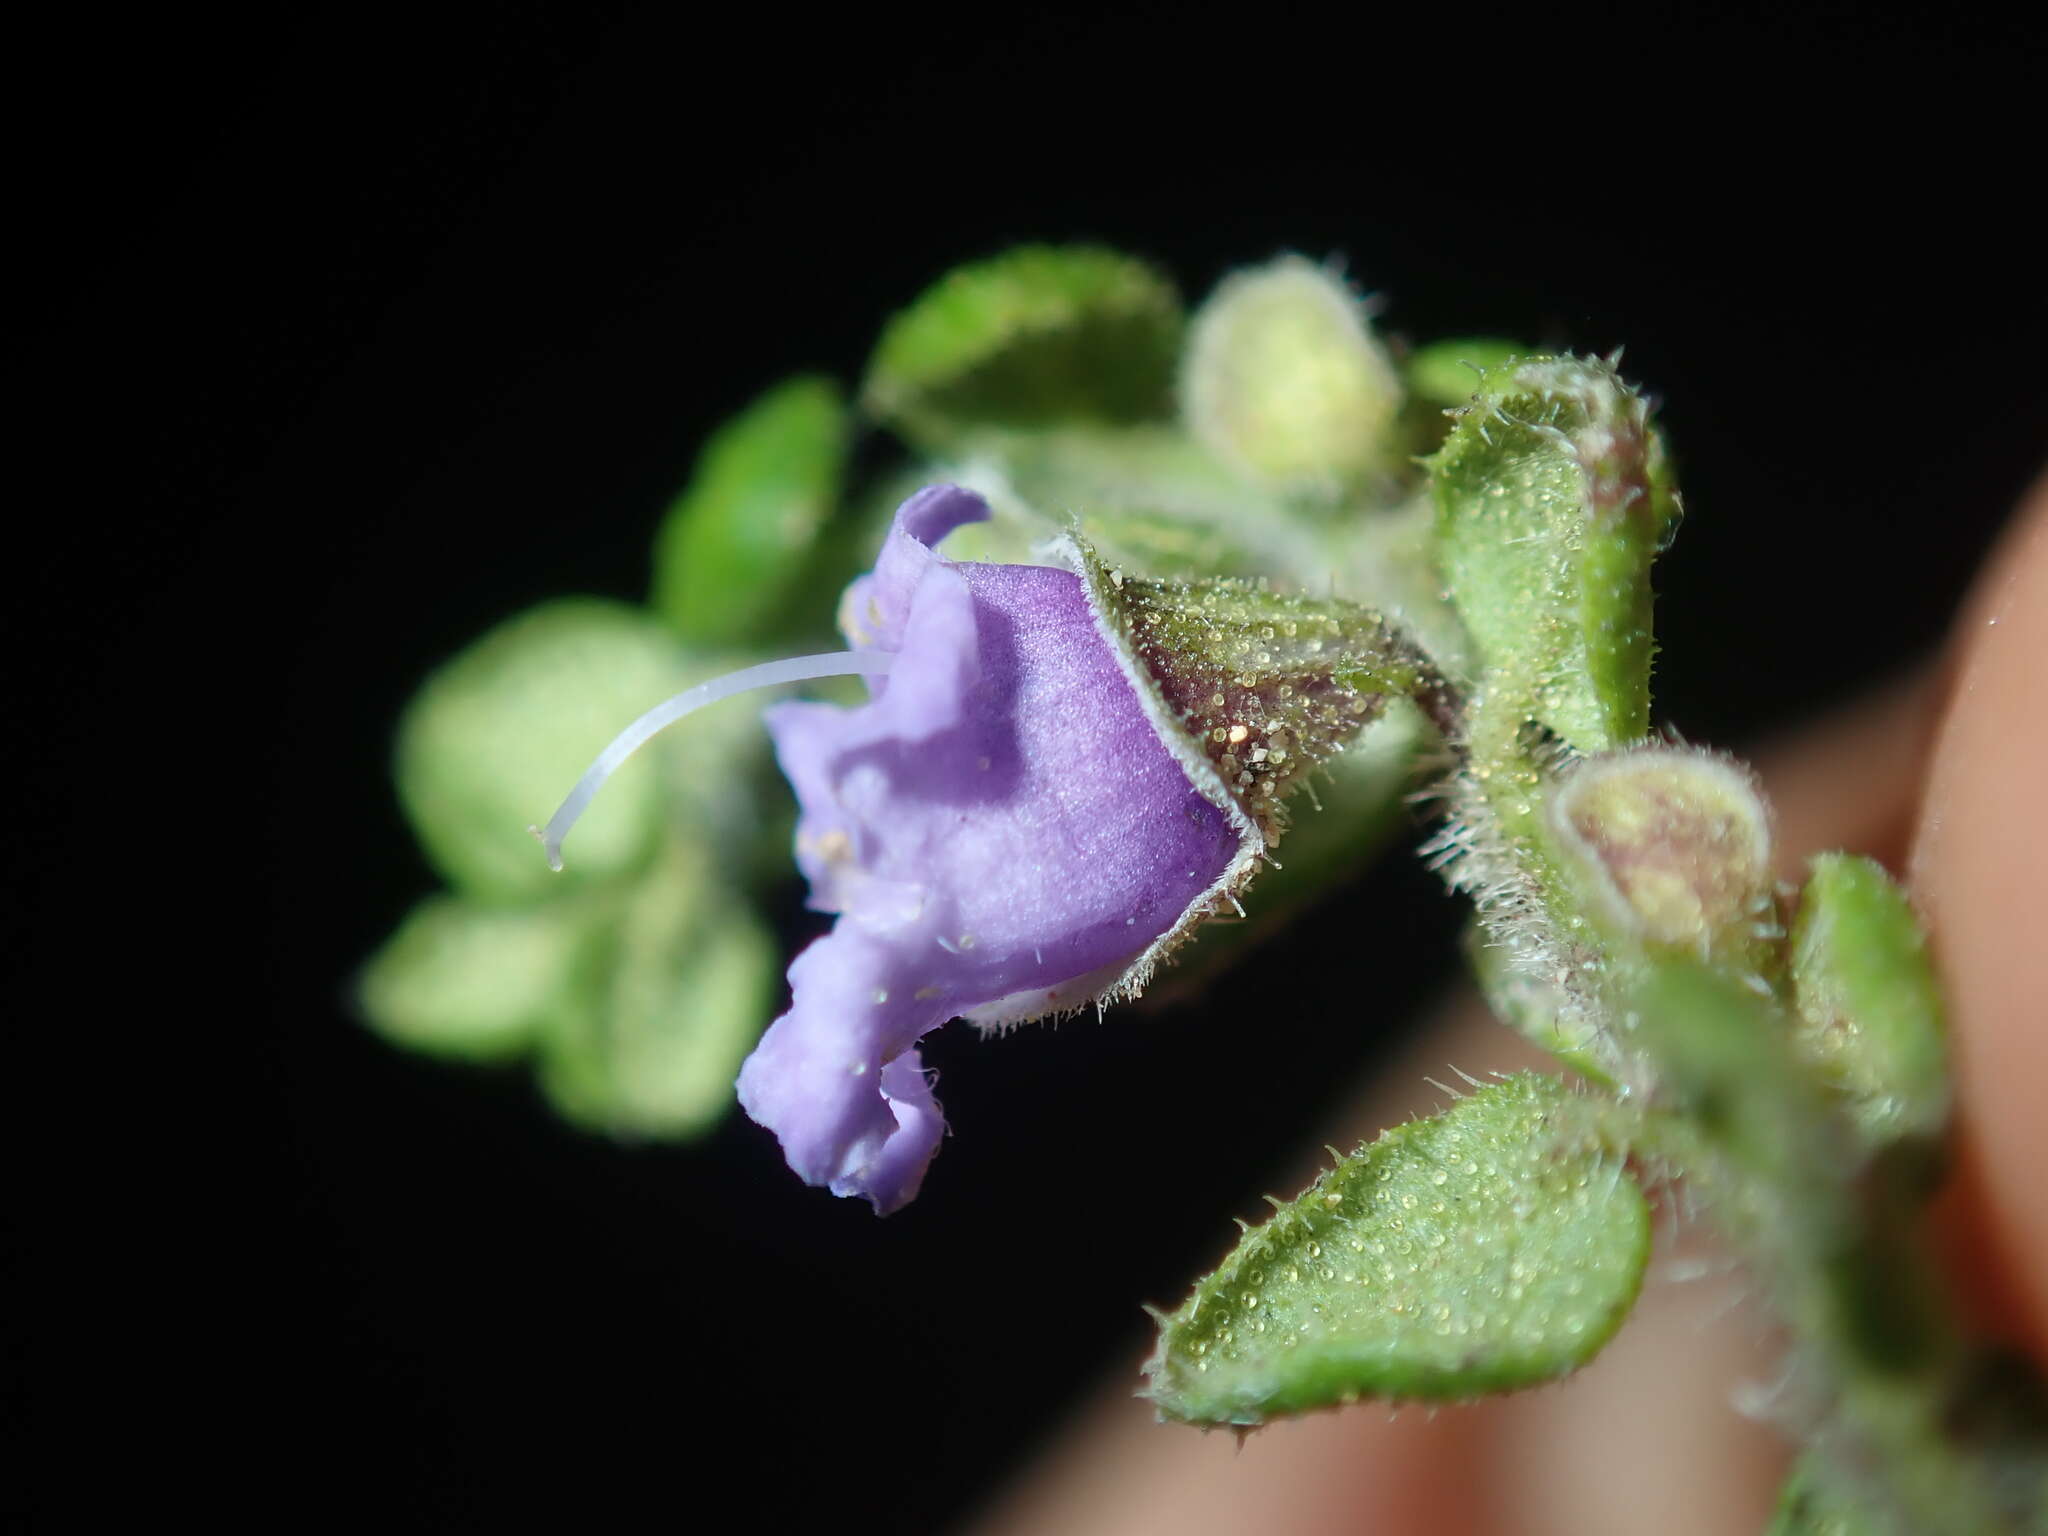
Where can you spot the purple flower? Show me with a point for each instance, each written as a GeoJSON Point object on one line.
{"type": "Point", "coordinates": [1010, 828]}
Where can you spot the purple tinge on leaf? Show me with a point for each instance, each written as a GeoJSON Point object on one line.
{"type": "Point", "coordinates": [1001, 829]}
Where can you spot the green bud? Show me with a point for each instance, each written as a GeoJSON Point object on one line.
{"type": "Point", "coordinates": [1494, 1246]}
{"type": "Point", "coordinates": [1869, 1006]}
{"type": "Point", "coordinates": [1670, 847]}
{"type": "Point", "coordinates": [1284, 378]}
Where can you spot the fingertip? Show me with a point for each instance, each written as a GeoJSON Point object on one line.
{"type": "Point", "coordinates": [1977, 867]}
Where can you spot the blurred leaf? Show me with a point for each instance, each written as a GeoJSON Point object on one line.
{"type": "Point", "coordinates": [737, 541]}
{"type": "Point", "coordinates": [495, 738]}
{"type": "Point", "coordinates": [1806, 1508]}
{"type": "Point", "coordinates": [1869, 1005]}
{"type": "Point", "coordinates": [1552, 500]}
{"type": "Point", "coordinates": [671, 1003]}
{"type": "Point", "coordinates": [1037, 336]}
{"type": "Point", "coordinates": [1720, 1050]}
{"type": "Point", "coordinates": [1285, 379]}
{"type": "Point", "coordinates": [1388, 560]}
{"type": "Point", "coordinates": [1493, 1246]}
{"type": "Point", "coordinates": [477, 983]}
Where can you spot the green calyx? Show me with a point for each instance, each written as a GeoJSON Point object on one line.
{"type": "Point", "coordinates": [1267, 686]}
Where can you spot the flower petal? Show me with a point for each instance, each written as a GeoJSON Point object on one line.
{"type": "Point", "coordinates": [1000, 829]}
{"type": "Point", "coordinates": [830, 1077]}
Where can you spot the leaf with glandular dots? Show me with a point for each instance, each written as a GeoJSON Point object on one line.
{"type": "Point", "coordinates": [1493, 1246]}
{"type": "Point", "coordinates": [1553, 497]}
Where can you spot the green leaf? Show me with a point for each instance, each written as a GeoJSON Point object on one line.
{"type": "Point", "coordinates": [1553, 498]}
{"type": "Point", "coordinates": [673, 999]}
{"type": "Point", "coordinates": [738, 539]}
{"type": "Point", "coordinates": [1870, 1018]}
{"type": "Point", "coordinates": [1038, 336]}
{"type": "Point", "coordinates": [1494, 1246]}
{"type": "Point", "coordinates": [1285, 379]}
{"type": "Point", "coordinates": [473, 982]}
{"type": "Point", "coordinates": [495, 738]}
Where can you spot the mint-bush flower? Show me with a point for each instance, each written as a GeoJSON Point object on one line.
{"type": "Point", "coordinates": [1004, 831]}
{"type": "Point", "coordinates": [1060, 774]}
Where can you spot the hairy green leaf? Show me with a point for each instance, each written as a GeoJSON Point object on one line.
{"type": "Point", "coordinates": [1553, 498]}
{"type": "Point", "coordinates": [1493, 1246]}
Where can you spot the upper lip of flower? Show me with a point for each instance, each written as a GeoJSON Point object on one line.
{"type": "Point", "coordinates": [1005, 829]}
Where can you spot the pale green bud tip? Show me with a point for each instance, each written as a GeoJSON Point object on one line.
{"type": "Point", "coordinates": [1284, 378]}
{"type": "Point", "coordinates": [1673, 843]}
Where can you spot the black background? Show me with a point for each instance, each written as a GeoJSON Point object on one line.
{"type": "Point", "coordinates": [372, 330]}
